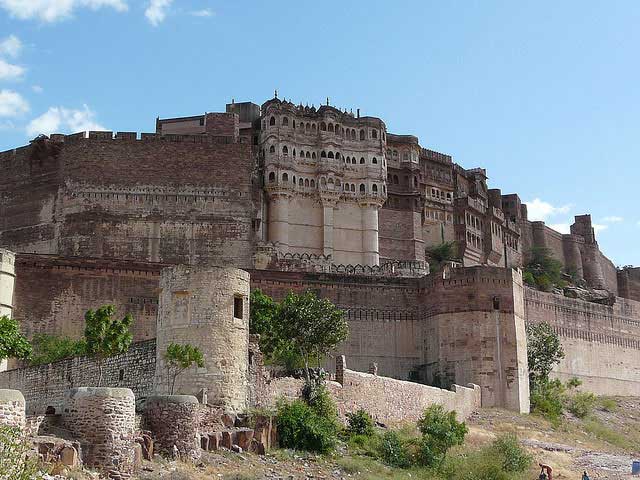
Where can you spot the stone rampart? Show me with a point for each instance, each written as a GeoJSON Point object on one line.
{"type": "Point", "coordinates": [103, 420]}
{"type": "Point", "coordinates": [45, 385]}
{"type": "Point", "coordinates": [601, 342]}
{"type": "Point", "coordinates": [12, 409]}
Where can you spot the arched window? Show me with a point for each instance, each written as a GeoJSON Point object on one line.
{"type": "Point", "coordinates": [285, 121]}
{"type": "Point", "coordinates": [323, 154]}
{"type": "Point", "coordinates": [353, 187]}
{"type": "Point", "coordinates": [294, 124]}
{"type": "Point", "coordinates": [313, 127]}
{"type": "Point", "coordinates": [337, 155]}
{"type": "Point", "coordinates": [361, 160]}
{"type": "Point", "coordinates": [362, 189]}
{"type": "Point", "coordinates": [313, 155]}
{"type": "Point", "coordinates": [348, 160]}
{"type": "Point", "coordinates": [415, 182]}
{"type": "Point", "coordinates": [306, 182]}
{"type": "Point", "coordinates": [323, 182]}
{"type": "Point", "coordinates": [294, 180]}
{"type": "Point", "coordinates": [294, 152]}
{"type": "Point", "coordinates": [301, 153]}
{"type": "Point", "coordinates": [353, 160]}
{"type": "Point", "coordinates": [338, 183]}
{"type": "Point", "coordinates": [362, 135]}
{"type": "Point", "coordinates": [285, 150]}
{"type": "Point", "coordinates": [374, 160]}
{"type": "Point", "coordinates": [374, 188]}
{"type": "Point", "coordinates": [285, 177]}
{"type": "Point", "coordinates": [353, 134]}
{"type": "Point", "coordinates": [313, 183]}
{"type": "Point", "coordinates": [272, 177]}
{"type": "Point", "coordinates": [301, 182]}
{"type": "Point", "coordinates": [330, 155]}
{"type": "Point", "coordinates": [272, 149]}
{"type": "Point", "coordinates": [331, 182]}
{"type": "Point", "coordinates": [272, 121]}
{"type": "Point", "coordinates": [323, 127]}
{"type": "Point", "coordinates": [307, 155]}
{"type": "Point", "coordinates": [308, 127]}
{"type": "Point", "coordinates": [374, 134]}
{"type": "Point", "coordinates": [330, 127]}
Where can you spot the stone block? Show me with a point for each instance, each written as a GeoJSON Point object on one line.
{"type": "Point", "coordinates": [69, 457]}
{"type": "Point", "coordinates": [227, 439]}
{"type": "Point", "coordinates": [243, 438]}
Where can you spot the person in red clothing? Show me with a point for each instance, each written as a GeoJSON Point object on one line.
{"type": "Point", "coordinates": [546, 472]}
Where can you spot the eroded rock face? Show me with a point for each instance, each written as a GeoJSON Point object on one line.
{"type": "Point", "coordinates": [602, 297]}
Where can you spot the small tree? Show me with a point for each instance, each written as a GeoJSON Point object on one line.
{"type": "Point", "coordinates": [439, 254]}
{"type": "Point", "coordinates": [13, 344]}
{"type": "Point", "coordinates": [105, 336]}
{"type": "Point", "coordinates": [440, 431]}
{"type": "Point", "coordinates": [178, 358]}
{"type": "Point", "coordinates": [543, 269]}
{"type": "Point", "coordinates": [314, 326]}
{"type": "Point", "coordinates": [544, 351]}
{"type": "Point", "coordinates": [49, 348]}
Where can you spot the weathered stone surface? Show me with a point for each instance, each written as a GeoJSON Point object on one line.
{"type": "Point", "coordinates": [12, 409]}
{"type": "Point", "coordinates": [174, 424]}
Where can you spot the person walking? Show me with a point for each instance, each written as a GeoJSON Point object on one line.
{"type": "Point", "coordinates": [585, 476]}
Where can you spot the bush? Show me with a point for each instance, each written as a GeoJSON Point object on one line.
{"type": "Point", "coordinates": [608, 404]}
{"type": "Point", "coordinates": [528, 278]}
{"type": "Point", "coordinates": [548, 398]}
{"type": "Point", "coordinates": [15, 463]}
{"type": "Point", "coordinates": [581, 404]}
{"type": "Point", "coordinates": [514, 457]}
{"type": "Point", "coordinates": [300, 427]}
{"type": "Point", "coordinates": [49, 348]}
{"type": "Point", "coordinates": [360, 423]}
{"type": "Point", "coordinates": [440, 431]}
{"type": "Point", "coordinates": [317, 396]}
{"type": "Point", "coordinates": [393, 452]}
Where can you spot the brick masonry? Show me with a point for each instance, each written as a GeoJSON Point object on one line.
{"type": "Point", "coordinates": [12, 408]}
{"type": "Point", "coordinates": [174, 420]}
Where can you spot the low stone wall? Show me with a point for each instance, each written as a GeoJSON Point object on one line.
{"type": "Point", "coordinates": [12, 409]}
{"type": "Point", "coordinates": [103, 420]}
{"type": "Point", "coordinates": [45, 385]}
{"type": "Point", "coordinates": [387, 400]}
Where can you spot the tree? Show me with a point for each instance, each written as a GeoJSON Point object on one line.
{"type": "Point", "coordinates": [314, 326]}
{"type": "Point", "coordinates": [440, 431]}
{"type": "Point", "coordinates": [106, 337]}
{"type": "Point", "coordinates": [49, 348]}
{"type": "Point", "coordinates": [439, 254]}
{"type": "Point", "coordinates": [544, 351]}
{"type": "Point", "coordinates": [178, 358]}
{"type": "Point", "coordinates": [13, 344]}
{"type": "Point", "coordinates": [544, 269]}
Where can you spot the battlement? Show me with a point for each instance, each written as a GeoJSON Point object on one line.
{"type": "Point", "coordinates": [436, 156]}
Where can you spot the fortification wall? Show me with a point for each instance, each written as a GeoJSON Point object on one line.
{"type": "Point", "coordinates": [400, 235]}
{"type": "Point", "coordinates": [629, 283]}
{"type": "Point", "coordinates": [45, 386]}
{"type": "Point", "coordinates": [183, 199]}
{"type": "Point", "coordinates": [52, 293]}
{"type": "Point", "coordinates": [383, 315]}
{"type": "Point", "coordinates": [474, 333]}
{"type": "Point", "coordinates": [601, 343]}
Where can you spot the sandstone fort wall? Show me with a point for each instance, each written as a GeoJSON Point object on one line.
{"type": "Point", "coordinates": [601, 343]}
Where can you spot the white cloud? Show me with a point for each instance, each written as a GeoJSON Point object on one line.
{"type": "Point", "coordinates": [11, 46]}
{"type": "Point", "coordinates": [205, 12]}
{"type": "Point", "coordinates": [63, 120]}
{"type": "Point", "coordinates": [539, 210]}
{"type": "Point", "coordinates": [37, 88]}
{"type": "Point", "coordinates": [156, 12]}
{"type": "Point", "coordinates": [612, 219]}
{"type": "Point", "coordinates": [9, 71]}
{"type": "Point", "coordinates": [12, 104]}
{"type": "Point", "coordinates": [561, 227]}
{"type": "Point", "coordinates": [597, 228]}
{"type": "Point", "coordinates": [7, 125]}
{"type": "Point", "coordinates": [54, 10]}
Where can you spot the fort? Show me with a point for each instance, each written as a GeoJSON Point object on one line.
{"type": "Point", "coordinates": [177, 226]}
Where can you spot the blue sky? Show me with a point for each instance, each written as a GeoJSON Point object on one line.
{"type": "Point", "coordinates": [545, 95]}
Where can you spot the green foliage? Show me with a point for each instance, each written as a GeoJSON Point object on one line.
{"type": "Point", "coordinates": [544, 351]}
{"type": "Point", "coordinates": [319, 399]}
{"type": "Point", "coordinates": [608, 404]}
{"type": "Point", "coordinates": [13, 344]}
{"type": "Point", "coordinates": [581, 404]}
{"type": "Point", "coordinates": [439, 254]}
{"type": "Point", "coordinates": [15, 461]}
{"type": "Point", "coordinates": [360, 423]}
{"type": "Point", "coordinates": [548, 398]}
{"type": "Point", "coordinates": [393, 451]}
{"type": "Point", "coordinates": [528, 278]}
{"type": "Point", "coordinates": [178, 358]}
{"type": "Point", "coordinates": [545, 270]}
{"type": "Point", "coordinates": [300, 427]}
{"type": "Point", "coordinates": [574, 382]}
{"type": "Point", "coordinates": [314, 326]}
{"type": "Point", "coordinates": [105, 336]}
{"type": "Point", "coordinates": [49, 348]}
{"type": "Point", "coordinates": [514, 457]}
{"type": "Point", "coordinates": [440, 431]}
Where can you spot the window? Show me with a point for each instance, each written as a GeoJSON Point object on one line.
{"type": "Point", "coordinates": [272, 121]}
{"type": "Point", "coordinates": [362, 135]}
{"type": "Point", "coordinates": [395, 154]}
{"type": "Point", "coordinates": [285, 150]}
{"type": "Point", "coordinates": [313, 127]}
{"type": "Point", "coordinates": [301, 182]}
{"type": "Point", "coordinates": [308, 127]}
{"type": "Point", "coordinates": [202, 122]}
{"type": "Point", "coordinates": [337, 155]}
{"type": "Point", "coordinates": [323, 154]}
{"type": "Point", "coordinates": [395, 179]}
{"type": "Point", "coordinates": [309, 156]}
{"type": "Point", "coordinates": [294, 152]}
{"type": "Point", "coordinates": [294, 180]}
{"type": "Point", "coordinates": [313, 155]}
{"type": "Point", "coordinates": [301, 153]}
{"type": "Point", "coordinates": [285, 177]}
{"type": "Point", "coordinates": [306, 182]}
{"type": "Point", "coordinates": [362, 189]}
{"type": "Point", "coordinates": [374, 188]}
{"type": "Point", "coordinates": [361, 160]}
{"type": "Point", "coordinates": [374, 134]}
{"type": "Point", "coordinates": [374, 160]}
{"type": "Point", "coordinates": [313, 183]}
{"type": "Point", "coordinates": [323, 127]}
{"type": "Point", "coordinates": [285, 121]}
{"type": "Point", "coordinates": [238, 307]}
{"type": "Point", "coordinates": [353, 187]}
{"type": "Point", "coordinates": [330, 155]}
{"type": "Point", "coordinates": [272, 177]}
{"type": "Point", "coordinates": [330, 127]}
{"type": "Point", "coordinates": [272, 149]}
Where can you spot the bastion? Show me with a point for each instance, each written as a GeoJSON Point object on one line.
{"type": "Point", "coordinates": [12, 408]}
{"type": "Point", "coordinates": [174, 421]}
{"type": "Point", "coordinates": [207, 307]}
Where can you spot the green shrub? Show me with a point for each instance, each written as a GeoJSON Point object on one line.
{"type": "Point", "coordinates": [528, 278]}
{"type": "Point", "coordinates": [574, 382]}
{"type": "Point", "coordinates": [15, 462]}
{"type": "Point", "coordinates": [300, 427]}
{"type": "Point", "coordinates": [608, 404]}
{"type": "Point", "coordinates": [393, 452]}
{"type": "Point", "coordinates": [360, 423]}
{"type": "Point", "coordinates": [548, 398]}
{"type": "Point", "coordinates": [514, 457]}
{"type": "Point", "coordinates": [368, 445]}
{"type": "Point", "coordinates": [544, 283]}
{"type": "Point", "coordinates": [49, 348]}
{"type": "Point", "coordinates": [317, 396]}
{"type": "Point", "coordinates": [581, 404]}
{"type": "Point", "coordinates": [440, 431]}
